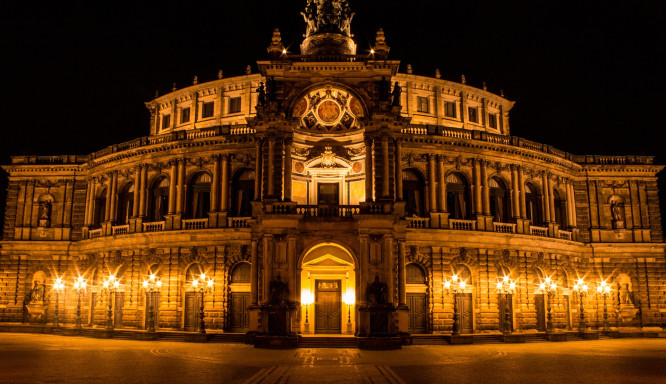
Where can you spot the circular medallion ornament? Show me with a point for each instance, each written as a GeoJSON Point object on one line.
{"type": "Point", "coordinates": [328, 111]}
{"type": "Point", "coordinates": [357, 167]}
{"type": "Point", "coordinates": [299, 167]}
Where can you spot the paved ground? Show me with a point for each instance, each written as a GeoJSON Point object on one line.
{"type": "Point", "coordinates": [30, 358]}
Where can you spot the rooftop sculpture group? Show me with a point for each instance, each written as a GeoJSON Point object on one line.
{"type": "Point", "coordinates": [328, 16]}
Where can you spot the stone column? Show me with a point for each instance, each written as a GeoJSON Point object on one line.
{"type": "Point", "coordinates": [257, 171]}
{"type": "Point", "coordinates": [224, 194]}
{"type": "Point", "coordinates": [521, 182]}
{"type": "Point", "coordinates": [568, 197]}
{"type": "Point", "coordinates": [477, 187]}
{"type": "Point", "coordinates": [114, 196]}
{"type": "Point", "coordinates": [545, 197]}
{"type": "Point", "coordinates": [551, 199]}
{"type": "Point", "coordinates": [398, 169]}
{"type": "Point", "coordinates": [388, 255]}
{"type": "Point", "coordinates": [402, 279]}
{"type": "Point", "coordinates": [254, 287]}
{"type": "Point", "coordinates": [294, 291]}
{"type": "Point", "coordinates": [86, 217]}
{"type": "Point", "coordinates": [107, 207]}
{"type": "Point", "coordinates": [271, 173]}
{"type": "Point", "coordinates": [486, 188]}
{"type": "Point", "coordinates": [137, 191]}
{"type": "Point", "coordinates": [368, 170]}
{"type": "Point", "coordinates": [287, 169]}
{"type": "Point", "coordinates": [385, 173]}
{"type": "Point", "coordinates": [180, 188]}
{"type": "Point", "coordinates": [432, 192]}
{"type": "Point", "coordinates": [515, 192]}
{"type": "Point", "coordinates": [442, 185]}
{"type": "Point", "coordinates": [215, 187]}
{"type": "Point", "coordinates": [144, 190]}
{"type": "Point", "coordinates": [268, 245]}
{"type": "Point", "coordinates": [574, 219]}
{"type": "Point", "coordinates": [173, 176]}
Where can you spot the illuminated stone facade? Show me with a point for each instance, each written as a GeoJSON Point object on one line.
{"type": "Point", "coordinates": [330, 169]}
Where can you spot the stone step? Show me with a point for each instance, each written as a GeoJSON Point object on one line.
{"type": "Point", "coordinates": [227, 338]}
{"type": "Point", "coordinates": [328, 342]}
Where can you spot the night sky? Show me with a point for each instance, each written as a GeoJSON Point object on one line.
{"type": "Point", "coordinates": [587, 76]}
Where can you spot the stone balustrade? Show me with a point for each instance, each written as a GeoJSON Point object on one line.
{"type": "Point", "coordinates": [154, 227]}
{"type": "Point", "coordinates": [538, 231]}
{"type": "Point", "coordinates": [565, 235]}
{"type": "Point", "coordinates": [418, 222]}
{"type": "Point", "coordinates": [120, 230]}
{"type": "Point", "coordinates": [93, 233]}
{"type": "Point", "coordinates": [195, 224]}
{"type": "Point", "coordinates": [504, 227]}
{"type": "Point", "coordinates": [463, 225]}
{"type": "Point", "coordinates": [238, 222]}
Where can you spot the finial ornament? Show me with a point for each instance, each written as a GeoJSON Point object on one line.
{"type": "Point", "coordinates": [276, 48]}
{"type": "Point", "coordinates": [173, 86]}
{"type": "Point", "coordinates": [502, 92]}
{"type": "Point", "coordinates": [381, 49]}
{"type": "Point", "coordinates": [438, 74]}
{"type": "Point", "coordinates": [248, 70]}
{"type": "Point", "coordinates": [157, 94]}
{"type": "Point", "coordinates": [485, 87]}
{"type": "Point", "coordinates": [220, 74]}
{"type": "Point", "coordinates": [409, 69]}
{"type": "Point", "coordinates": [464, 80]}
{"type": "Point", "coordinates": [195, 81]}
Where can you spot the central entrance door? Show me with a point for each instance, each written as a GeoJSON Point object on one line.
{"type": "Point", "coordinates": [327, 306]}
{"type": "Point", "coordinates": [153, 299]}
{"type": "Point", "coordinates": [417, 312]}
{"type": "Point", "coordinates": [540, 304]}
{"type": "Point", "coordinates": [464, 301]}
{"type": "Point", "coordinates": [328, 193]}
{"type": "Point", "coordinates": [192, 308]}
{"type": "Point", "coordinates": [239, 318]}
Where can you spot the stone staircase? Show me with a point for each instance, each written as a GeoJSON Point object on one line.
{"type": "Point", "coordinates": [429, 340]}
{"type": "Point", "coordinates": [227, 338]}
{"type": "Point", "coordinates": [328, 342]}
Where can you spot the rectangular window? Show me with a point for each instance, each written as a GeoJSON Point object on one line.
{"type": "Point", "coordinates": [422, 104]}
{"type": "Point", "coordinates": [185, 115]}
{"type": "Point", "coordinates": [166, 121]}
{"type": "Point", "coordinates": [207, 109]}
{"type": "Point", "coordinates": [492, 121]}
{"type": "Point", "coordinates": [234, 105]}
{"type": "Point", "coordinates": [473, 114]}
{"type": "Point", "coordinates": [450, 109]}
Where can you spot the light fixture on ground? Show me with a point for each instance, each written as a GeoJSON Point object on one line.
{"type": "Point", "coordinates": [152, 285]}
{"type": "Point", "coordinates": [202, 285]}
{"type": "Point", "coordinates": [110, 285]}
{"type": "Point", "coordinates": [604, 289]}
{"type": "Point", "coordinates": [581, 289]}
{"type": "Point", "coordinates": [506, 287]}
{"type": "Point", "coordinates": [58, 287]}
{"type": "Point", "coordinates": [455, 285]}
{"type": "Point", "coordinates": [80, 286]}
{"type": "Point", "coordinates": [550, 288]}
{"type": "Point", "coordinates": [306, 299]}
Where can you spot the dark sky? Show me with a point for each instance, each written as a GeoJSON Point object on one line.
{"type": "Point", "coordinates": [587, 76]}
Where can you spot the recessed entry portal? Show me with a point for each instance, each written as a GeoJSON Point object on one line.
{"type": "Point", "coordinates": [328, 277]}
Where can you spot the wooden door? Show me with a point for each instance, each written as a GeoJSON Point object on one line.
{"type": "Point", "coordinates": [192, 307]}
{"type": "Point", "coordinates": [464, 301]}
{"type": "Point", "coordinates": [540, 304]}
{"type": "Point", "coordinates": [327, 307]}
{"type": "Point", "coordinates": [567, 311]}
{"type": "Point", "coordinates": [501, 310]}
{"type": "Point", "coordinates": [417, 312]}
{"type": "Point", "coordinates": [328, 193]}
{"type": "Point", "coordinates": [93, 300]}
{"type": "Point", "coordinates": [118, 309]}
{"type": "Point", "coordinates": [239, 319]}
{"type": "Point", "coordinates": [154, 299]}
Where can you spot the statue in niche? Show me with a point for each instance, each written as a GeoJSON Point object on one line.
{"type": "Point", "coordinates": [377, 292]}
{"type": "Point", "coordinates": [37, 293]}
{"type": "Point", "coordinates": [626, 296]}
{"type": "Point", "coordinates": [617, 214]}
{"type": "Point", "coordinates": [45, 208]}
{"type": "Point", "coordinates": [278, 292]}
{"type": "Point", "coordinates": [397, 91]}
{"type": "Point", "coordinates": [384, 89]}
{"type": "Point", "coordinates": [261, 99]}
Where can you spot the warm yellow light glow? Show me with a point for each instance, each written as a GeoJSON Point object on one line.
{"type": "Point", "coordinates": [195, 283]}
{"type": "Point", "coordinates": [548, 280]}
{"type": "Point", "coordinates": [159, 283]}
{"type": "Point", "coordinates": [447, 284]}
{"type": "Point", "coordinates": [454, 278]}
{"type": "Point", "coordinates": [372, 51]}
{"type": "Point", "coordinates": [506, 279]}
{"type": "Point", "coordinates": [306, 297]}
{"type": "Point", "coordinates": [145, 284]}
{"type": "Point", "coordinates": [499, 285]}
{"type": "Point", "coordinates": [553, 286]}
{"type": "Point", "coordinates": [512, 286]}
{"type": "Point", "coordinates": [284, 51]}
{"type": "Point", "coordinates": [462, 284]}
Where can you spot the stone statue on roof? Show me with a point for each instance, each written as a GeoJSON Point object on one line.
{"type": "Point", "coordinates": [328, 16]}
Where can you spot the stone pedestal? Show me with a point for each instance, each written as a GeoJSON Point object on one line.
{"type": "Point", "coordinates": [377, 321]}
{"type": "Point", "coordinates": [196, 337]}
{"type": "Point", "coordinates": [103, 333]}
{"type": "Point", "coordinates": [513, 338]}
{"type": "Point", "coordinates": [459, 339]}
{"type": "Point", "coordinates": [589, 335]}
{"type": "Point", "coordinates": [276, 327]}
{"type": "Point", "coordinates": [36, 312]}
{"type": "Point", "coordinates": [557, 336]}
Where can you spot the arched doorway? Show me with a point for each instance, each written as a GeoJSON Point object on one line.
{"type": "Point", "coordinates": [199, 196]}
{"type": "Point", "coordinates": [242, 193]}
{"type": "Point", "coordinates": [328, 275]}
{"type": "Point", "coordinates": [192, 299]}
{"type": "Point", "coordinates": [540, 301]}
{"type": "Point", "coordinates": [464, 300]}
{"type": "Point", "coordinates": [457, 197]}
{"type": "Point", "coordinates": [413, 192]}
{"type": "Point", "coordinates": [239, 298]}
{"type": "Point", "coordinates": [416, 288]}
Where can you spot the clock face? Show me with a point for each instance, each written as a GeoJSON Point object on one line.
{"type": "Point", "coordinates": [328, 110]}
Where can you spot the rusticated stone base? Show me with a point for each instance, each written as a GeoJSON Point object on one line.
{"type": "Point", "coordinates": [380, 343]}
{"type": "Point", "coordinates": [103, 333]}
{"type": "Point", "coordinates": [513, 338]}
{"type": "Point", "coordinates": [276, 342]}
{"type": "Point", "coordinates": [589, 335]}
{"type": "Point", "coordinates": [459, 339]}
{"type": "Point", "coordinates": [557, 336]}
{"type": "Point", "coordinates": [196, 337]}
